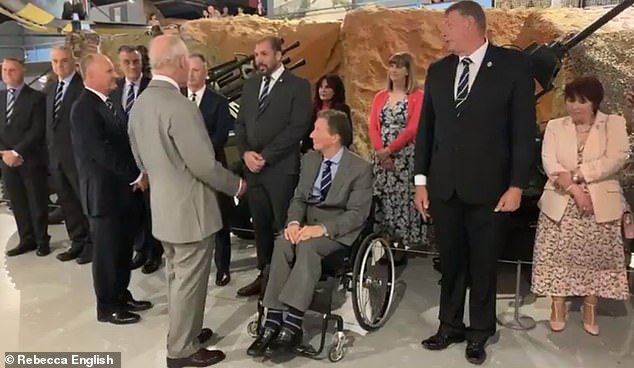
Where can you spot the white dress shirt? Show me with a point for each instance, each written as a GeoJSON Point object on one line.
{"type": "Point", "coordinates": [275, 76]}
{"type": "Point", "coordinates": [126, 89]}
{"type": "Point", "coordinates": [66, 81]}
{"type": "Point", "coordinates": [199, 95]}
{"type": "Point", "coordinates": [477, 57]}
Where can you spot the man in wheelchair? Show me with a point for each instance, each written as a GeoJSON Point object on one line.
{"type": "Point", "coordinates": [331, 204]}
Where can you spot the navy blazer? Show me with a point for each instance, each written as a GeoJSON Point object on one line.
{"type": "Point", "coordinates": [104, 159]}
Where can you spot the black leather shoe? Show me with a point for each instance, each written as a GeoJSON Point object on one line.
{"type": "Point", "coordinates": [137, 305]}
{"type": "Point", "coordinates": [201, 358]}
{"type": "Point", "coordinates": [151, 266]}
{"type": "Point", "coordinates": [205, 335]}
{"type": "Point", "coordinates": [286, 341]}
{"type": "Point", "coordinates": [138, 260]}
{"type": "Point", "coordinates": [83, 259]}
{"type": "Point", "coordinates": [20, 249]}
{"type": "Point", "coordinates": [261, 342]}
{"type": "Point", "coordinates": [119, 318]}
{"type": "Point", "coordinates": [223, 278]}
{"type": "Point", "coordinates": [56, 216]}
{"type": "Point", "coordinates": [475, 353]}
{"type": "Point", "coordinates": [43, 251]}
{"type": "Point", "coordinates": [68, 255]}
{"type": "Point", "coordinates": [441, 341]}
{"type": "Point", "coordinates": [253, 288]}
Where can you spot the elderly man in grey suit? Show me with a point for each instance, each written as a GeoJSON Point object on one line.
{"type": "Point", "coordinates": [331, 203]}
{"type": "Point", "coordinates": [170, 144]}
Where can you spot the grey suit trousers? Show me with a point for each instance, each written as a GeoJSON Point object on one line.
{"type": "Point", "coordinates": [294, 285]}
{"type": "Point", "coordinates": [187, 267]}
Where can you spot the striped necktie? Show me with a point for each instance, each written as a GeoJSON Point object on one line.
{"type": "Point", "coordinates": [326, 180]}
{"type": "Point", "coordinates": [10, 104]}
{"type": "Point", "coordinates": [59, 94]}
{"type": "Point", "coordinates": [264, 94]}
{"type": "Point", "coordinates": [129, 101]}
{"type": "Point", "coordinates": [463, 84]}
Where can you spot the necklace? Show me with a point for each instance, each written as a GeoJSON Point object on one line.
{"type": "Point", "coordinates": [583, 130]}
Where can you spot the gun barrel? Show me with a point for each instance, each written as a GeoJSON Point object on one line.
{"type": "Point", "coordinates": [290, 47]}
{"type": "Point", "coordinates": [298, 63]}
{"type": "Point", "coordinates": [229, 68]}
{"type": "Point", "coordinates": [586, 32]}
{"type": "Point", "coordinates": [223, 65]}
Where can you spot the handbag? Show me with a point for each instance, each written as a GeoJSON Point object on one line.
{"type": "Point", "coordinates": [627, 225]}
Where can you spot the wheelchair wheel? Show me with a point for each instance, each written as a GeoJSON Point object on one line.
{"type": "Point", "coordinates": [373, 282]}
{"type": "Point", "coordinates": [252, 329]}
{"type": "Point", "coordinates": [337, 350]}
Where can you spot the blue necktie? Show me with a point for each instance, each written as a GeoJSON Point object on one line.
{"type": "Point", "coordinates": [10, 104]}
{"type": "Point", "coordinates": [130, 98]}
{"type": "Point", "coordinates": [59, 94]}
{"type": "Point", "coordinates": [326, 180]}
{"type": "Point", "coordinates": [463, 84]}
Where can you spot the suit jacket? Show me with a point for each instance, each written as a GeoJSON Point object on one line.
{"type": "Point", "coordinates": [171, 145]}
{"type": "Point", "coordinates": [218, 121]}
{"type": "Point", "coordinates": [26, 132]}
{"type": "Point", "coordinates": [117, 94]}
{"type": "Point", "coordinates": [605, 154]}
{"type": "Point", "coordinates": [347, 205]}
{"type": "Point", "coordinates": [60, 148]}
{"type": "Point", "coordinates": [489, 147]}
{"type": "Point", "coordinates": [277, 130]}
{"type": "Point", "coordinates": [104, 161]}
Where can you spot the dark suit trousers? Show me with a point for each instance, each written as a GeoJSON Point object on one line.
{"type": "Point", "coordinates": [67, 188]}
{"type": "Point", "coordinates": [144, 241]}
{"type": "Point", "coordinates": [113, 238]}
{"type": "Point", "coordinates": [27, 189]}
{"type": "Point", "coordinates": [470, 239]}
{"type": "Point", "coordinates": [222, 253]}
{"type": "Point", "coordinates": [269, 197]}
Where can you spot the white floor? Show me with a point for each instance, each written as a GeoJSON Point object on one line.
{"type": "Point", "coordinates": [46, 305]}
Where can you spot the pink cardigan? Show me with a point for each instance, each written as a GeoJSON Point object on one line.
{"type": "Point", "coordinates": [414, 107]}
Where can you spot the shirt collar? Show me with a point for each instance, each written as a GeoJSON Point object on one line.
{"type": "Point", "coordinates": [198, 93]}
{"type": "Point", "coordinates": [101, 95]}
{"type": "Point", "coordinates": [67, 79]}
{"type": "Point", "coordinates": [167, 79]}
{"type": "Point", "coordinates": [336, 158]}
{"type": "Point", "coordinates": [277, 73]}
{"type": "Point", "coordinates": [137, 82]}
{"type": "Point", "coordinates": [478, 55]}
{"type": "Point", "coordinates": [17, 88]}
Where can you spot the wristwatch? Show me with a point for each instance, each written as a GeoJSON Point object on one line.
{"type": "Point", "coordinates": [576, 178]}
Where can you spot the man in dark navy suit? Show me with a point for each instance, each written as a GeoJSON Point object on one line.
{"type": "Point", "coordinates": [218, 121]}
{"type": "Point", "coordinates": [23, 153]}
{"type": "Point", "coordinates": [148, 249]}
{"type": "Point", "coordinates": [108, 178]}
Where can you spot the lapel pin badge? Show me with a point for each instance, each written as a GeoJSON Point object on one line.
{"type": "Point", "coordinates": [489, 64]}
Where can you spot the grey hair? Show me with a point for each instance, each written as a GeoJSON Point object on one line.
{"type": "Point", "coordinates": [67, 49]}
{"type": "Point", "coordinates": [86, 62]}
{"type": "Point", "coordinates": [174, 50]}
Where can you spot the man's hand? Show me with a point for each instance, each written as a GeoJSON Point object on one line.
{"type": "Point", "coordinates": [291, 233]}
{"type": "Point", "coordinates": [383, 154]}
{"type": "Point", "coordinates": [254, 161]}
{"type": "Point", "coordinates": [421, 200]}
{"type": "Point", "coordinates": [243, 188]}
{"type": "Point", "coordinates": [309, 232]}
{"type": "Point", "coordinates": [510, 200]}
{"type": "Point", "coordinates": [10, 159]}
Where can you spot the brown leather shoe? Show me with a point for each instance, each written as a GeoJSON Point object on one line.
{"type": "Point", "coordinates": [201, 358]}
{"type": "Point", "coordinates": [253, 288]}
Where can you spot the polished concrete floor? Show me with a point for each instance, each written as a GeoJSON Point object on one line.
{"type": "Point", "coordinates": [46, 305]}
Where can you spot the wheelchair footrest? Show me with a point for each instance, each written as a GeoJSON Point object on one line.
{"type": "Point", "coordinates": [307, 351]}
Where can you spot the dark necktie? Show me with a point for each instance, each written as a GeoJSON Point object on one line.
{"type": "Point", "coordinates": [264, 94]}
{"type": "Point", "coordinates": [463, 84]}
{"type": "Point", "coordinates": [110, 105]}
{"type": "Point", "coordinates": [193, 97]}
{"type": "Point", "coordinates": [10, 104]}
{"type": "Point", "coordinates": [129, 101]}
{"type": "Point", "coordinates": [326, 180]}
{"type": "Point", "coordinates": [59, 94]}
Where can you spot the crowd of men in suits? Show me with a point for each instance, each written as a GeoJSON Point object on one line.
{"type": "Point", "coordinates": [139, 161]}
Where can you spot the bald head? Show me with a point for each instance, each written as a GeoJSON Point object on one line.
{"type": "Point", "coordinates": [169, 57]}
{"type": "Point", "coordinates": [98, 73]}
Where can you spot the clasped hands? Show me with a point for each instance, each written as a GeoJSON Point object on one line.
{"type": "Point", "coordinates": [386, 161]}
{"type": "Point", "coordinates": [295, 233]}
{"type": "Point", "coordinates": [582, 197]}
{"type": "Point", "coordinates": [10, 159]}
{"type": "Point", "coordinates": [254, 161]}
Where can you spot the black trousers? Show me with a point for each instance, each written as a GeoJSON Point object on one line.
{"type": "Point", "coordinates": [222, 253]}
{"type": "Point", "coordinates": [67, 188]}
{"type": "Point", "coordinates": [113, 238]}
{"type": "Point", "coordinates": [144, 242]}
{"type": "Point", "coordinates": [470, 240]}
{"type": "Point", "coordinates": [269, 197]}
{"type": "Point", "coordinates": [27, 189]}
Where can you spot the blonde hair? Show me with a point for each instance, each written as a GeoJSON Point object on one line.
{"type": "Point", "coordinates": [404, 60]}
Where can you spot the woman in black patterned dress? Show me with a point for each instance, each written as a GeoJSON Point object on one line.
{"type": "Point", "coordinates": [393, 123]}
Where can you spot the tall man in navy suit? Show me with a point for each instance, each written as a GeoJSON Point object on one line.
{"type": "Point", "coordinates": [148, 249]}
{"type": "Point", "coordinates": [218, 121]}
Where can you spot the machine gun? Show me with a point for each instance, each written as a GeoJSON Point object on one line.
{"type": "Point", "coordinates": [547, 58]}
{"type": "Point", "coordinates": [228, 78]}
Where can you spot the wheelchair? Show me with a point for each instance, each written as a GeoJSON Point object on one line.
{"type": "Point", "coordinates": [365, 268]}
